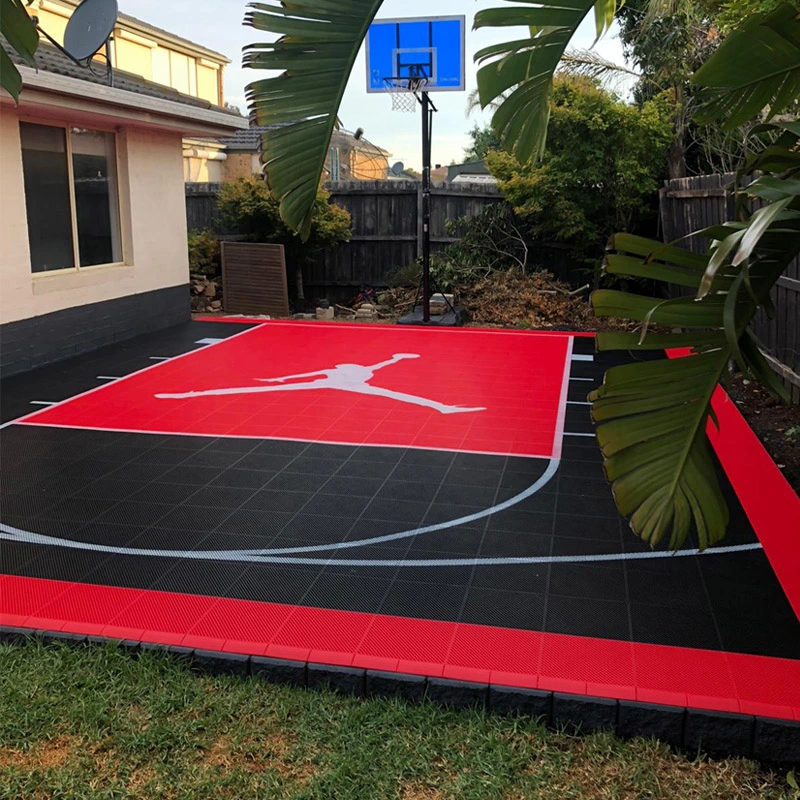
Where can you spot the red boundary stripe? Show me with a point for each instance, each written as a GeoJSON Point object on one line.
{"type": "Point", "coordinates": [371, 326]}
{"type": "Point", "coordinates": [679, 676]}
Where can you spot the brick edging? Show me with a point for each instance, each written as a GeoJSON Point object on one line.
{"type": "Point", "coordinates": [769, 740]}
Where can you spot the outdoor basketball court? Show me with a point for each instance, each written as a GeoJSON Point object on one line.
{"type": "Point", "coordinates": [415, 501]}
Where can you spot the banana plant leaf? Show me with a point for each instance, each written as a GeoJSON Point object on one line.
{"type": "Point", "coordinates": [524, 68]}
{"type": "Point", "coordinates": [757, 66]}
{"type": "Point", "coordinates": [652, 416]}
{"type": "Point", "coordinates": [21, 34]}
{"type": "Point", "coordinates": [314, 55]}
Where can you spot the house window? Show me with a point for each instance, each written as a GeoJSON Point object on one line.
{"type": "Point", "coordinates": [71, 197]}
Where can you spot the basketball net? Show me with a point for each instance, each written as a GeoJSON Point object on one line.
{"type": "Point", "coordinates": [403, 92]}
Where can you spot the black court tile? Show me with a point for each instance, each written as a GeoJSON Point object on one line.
{"type": "Point", "coordinates": [425, 600]}
{"type": "Point", "coordinates": [169, 493]}
{"type": "Point", "coordinates": [336, 505]}
{"type": "Point", "coordinates": [693, 626]}
{"type": "Point", "coordinates": [458, 542]}
{"type": "Point", "coordinates": [505, 609]}
{"type": "Point", "coordinates": [408, 490]}
{"type": "Point", "coordinates": [253, 522]}
{"type": "Point", "coordinates": [185, 473]}
{"type": "Point", "coordinates": [242, 478]}
{"type": "Point", "coordinates": [421, 473]}
{"type": "Point", "coordinates": [230, 497]}
{"type": "Point", "coordinates": [410, 511]}
{"type": "Point", "coordinates": [480, 495]}
{"type": "Point", "coordinates": [297, 482]}
{"type": "Point", "coordinates": [354, 592]}
{"type": "Point", "coordinates": [206, 494]}
{"type": "Point", "coordinates": [532, 578]}
{"type": "Point", "coordinates": [196, 518]}
{"type": "Point", "coordinates": [536, 520]}
{"type": "Point", "coordinates": [579, 617]}
{"type": "Point", "coordinates": [266, 500]}
{"type": "Point", "coordinates": [590, 581]}
{"type": "Point", "coordinates": [515, 543]}
{"type": "Point", "coordinates": [114, 489]}
{"type": "Point", "coordinates": [348, 485]}
{"type": "Point", "coordinates": [438, 513]}
{"type": "Point", "coordinates": [266, 462]}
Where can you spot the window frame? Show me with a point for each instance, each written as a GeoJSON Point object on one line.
{"type": "Point", "coordinates": [67, 128]}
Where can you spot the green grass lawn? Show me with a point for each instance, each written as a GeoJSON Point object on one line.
{"type": "Point", "coordinates": [97, 723]}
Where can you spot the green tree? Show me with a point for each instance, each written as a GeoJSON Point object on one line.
{"type": "Point", "coordinates": [600, 170]}
{"type": "Point", "coordinates": [482, 142]}
{"type": "Point", "coordinates": [247, 207]}
{"type": "Point", "coordinates": [668, 42]}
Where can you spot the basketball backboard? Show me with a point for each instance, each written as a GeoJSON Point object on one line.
{"type": "Point", "coordinates": [426, 48]}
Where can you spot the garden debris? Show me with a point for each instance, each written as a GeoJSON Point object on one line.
{"type": "Point", "coordinates": [535, 300]}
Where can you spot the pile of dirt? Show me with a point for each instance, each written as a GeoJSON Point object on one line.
{"type": "Point", "coordinates": [777, 425]}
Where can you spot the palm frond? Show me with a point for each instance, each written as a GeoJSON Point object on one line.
{"type": "Point", "coordinates": [757, 67]}
{"type": "Point", "coordinates": [21, 34]}
{"type": "Point", "coordinates": [652, 417]}
{"type": "Point", "coordinates": [525, 67]}
{"type": "Point", "coordinates": [317, 46]}
{"type": "Point", "coordinates": [591, 64]}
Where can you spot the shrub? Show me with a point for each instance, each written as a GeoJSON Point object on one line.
{"type": "Point", "coordinates": [247, 207]}
{"type": "Point", "coordinates": [600, 172]}
{"type": "Point", "coordinates": [204, 253]}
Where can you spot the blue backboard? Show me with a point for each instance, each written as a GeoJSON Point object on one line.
{"type": "Point", "coordinates": [430, 48]}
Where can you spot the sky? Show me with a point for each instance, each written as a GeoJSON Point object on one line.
{"type": "Point", "coordinates": [217, 24]}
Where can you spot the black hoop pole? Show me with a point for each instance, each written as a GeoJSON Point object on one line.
{"type": "Point", "coordinates": [426, 209]}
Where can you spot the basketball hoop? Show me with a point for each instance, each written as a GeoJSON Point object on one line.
{"type": "Point", "coordinates": [404, 92]}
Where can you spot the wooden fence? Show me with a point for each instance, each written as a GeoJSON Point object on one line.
{"type": "Point", "coordinates": [688, 204]}
{"type": "Point", "coordinates": [386, 232]}
{"type": "Point", "coordinates": [201, 207]}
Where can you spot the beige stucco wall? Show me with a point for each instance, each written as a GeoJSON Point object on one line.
{"type": "Point", "coordinates": [149, 56]}
{"type": "Point", "coordinates": [153, 221]}
{"type": "Point", "coordinates": [133, 57]}
{"type": "Point", "coordinates": [202, 170]}
{"type": "Point", "coordinates": [208, 83]}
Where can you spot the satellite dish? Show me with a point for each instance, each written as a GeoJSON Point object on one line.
{"type": "Point", "coordinates": [397, 168]}
{"type": "Point", "coordinates": [89, 27]}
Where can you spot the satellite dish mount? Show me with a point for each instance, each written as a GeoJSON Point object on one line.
{"type": "Point", "coordinates": [88, 31]}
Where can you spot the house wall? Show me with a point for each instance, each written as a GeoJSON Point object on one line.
{"type": "Point", "coordinates": [153, 222]}
{"type": "Point", "coordinates": [240, 165]}
{"type": "Point", "coordinates": [202, 170]}
{"type": "Point", "coordinates": [148, 55]}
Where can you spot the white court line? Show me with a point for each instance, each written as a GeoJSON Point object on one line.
{"type": "Point", "coordinates": [42, 402]}
{"type": "Point", "coordinates": [578, 403]}
{"type": "Point", "coordinates": [581, 357]}
{"type": "Point", "coordinates": [108, 377]}
{"type": "Point", "coordinates": [285, 555]}
{"type": "Point", "coordinates": [32, 414]}
{"type": "Point", "coordinates": [558, 435]}
{"type": "Point", "coordinates": [160, 358]}
{"type": "Point", "coordinates": [209, 340]}
{"type": "Point", "coordinates": [268, 556]}
{"type": "Point", "coordinates": [591, 380]}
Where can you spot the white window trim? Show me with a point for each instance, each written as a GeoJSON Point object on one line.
{"type": "Point", "coordinates": [66, 127]}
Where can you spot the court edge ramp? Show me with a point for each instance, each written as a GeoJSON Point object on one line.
{"type": "Point", "coordinates": [768, 740]}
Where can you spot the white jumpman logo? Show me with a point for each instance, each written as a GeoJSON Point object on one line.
{"type": "Point", "coordinates": [343, 377]}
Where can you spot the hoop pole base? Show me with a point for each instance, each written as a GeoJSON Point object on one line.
{"type": "Point", "coordinates": [426, 207]}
